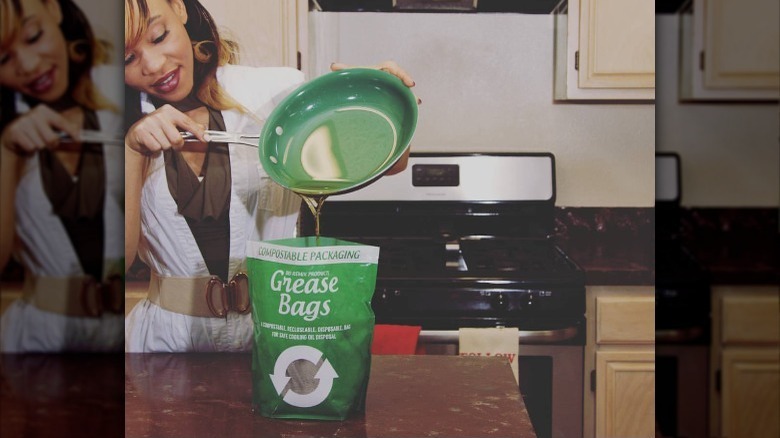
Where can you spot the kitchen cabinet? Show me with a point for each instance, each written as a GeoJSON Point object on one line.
{"type": "Point", "coordinates": [745, 378]}
{"type": "Point", "coordinates": [604, 50]}
{"type": "Point", "coordinates": [620, 362]}
{"type": "Point", "coordinates": [625, 385]}
{"type": "Point", "coordinates": [730, 50]}
{"type": "Point", "coordinates": [274, 33]}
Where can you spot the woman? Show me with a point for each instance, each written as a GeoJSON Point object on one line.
{"type": "Point", "coordinates": [190, 210]}
{"type": "Point", "coordinates": [62, 211]}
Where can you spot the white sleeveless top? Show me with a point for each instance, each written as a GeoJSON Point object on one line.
{"type": "Point", "coordinates": [259, 210]}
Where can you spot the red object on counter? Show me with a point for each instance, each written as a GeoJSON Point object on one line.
{"type": "Point", "coordinates": [395, 339]}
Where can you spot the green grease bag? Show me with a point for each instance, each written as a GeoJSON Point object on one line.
{"type": "Point", "coordinates": [313, 325]}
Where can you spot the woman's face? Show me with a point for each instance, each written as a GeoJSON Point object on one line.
{"type": "Point", "coordinates": [34, 60]}
{"type": "Point", "coordinates": [160, 61]}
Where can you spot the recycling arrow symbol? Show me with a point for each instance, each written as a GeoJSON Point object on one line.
{"type": "Point", "coordinates": [325, 375]}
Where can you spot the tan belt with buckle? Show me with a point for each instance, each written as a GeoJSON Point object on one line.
{"type": "Point", "coordinates": [201, 296]}
{"type": "Point", "coordinates": [74, 296]}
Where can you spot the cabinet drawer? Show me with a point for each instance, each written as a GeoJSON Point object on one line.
{"type": "Point", "coordinates": [621, 320]}
{"type": "Point", "coordinates": [751, 318]}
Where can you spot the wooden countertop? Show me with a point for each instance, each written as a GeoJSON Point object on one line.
{"type": "Point", "coordinates": [62, 395]}
{"type": "Point", "coordinates": [186, 395]}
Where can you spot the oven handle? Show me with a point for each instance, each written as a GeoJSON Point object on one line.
{"type": "Point", "coordinates": [524, 336]}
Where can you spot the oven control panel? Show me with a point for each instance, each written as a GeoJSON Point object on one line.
{"type": "Point", "coordinates": [435, 175]}
{"type": "Point", "coordinates": [470, 178]}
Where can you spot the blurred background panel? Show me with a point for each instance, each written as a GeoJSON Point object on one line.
{"type": "Point", "coordinates": [718, 86]}
{"type": "Point", "coordinates": [55, 296]}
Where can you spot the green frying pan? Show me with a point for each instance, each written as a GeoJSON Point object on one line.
{"type": "Point", "coordinates": [338, 132]}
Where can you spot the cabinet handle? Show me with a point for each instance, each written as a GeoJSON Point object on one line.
{"type": "Point", "coordinates": [593, 381]}
{"type": "Point", "coordinates": [717, 381]}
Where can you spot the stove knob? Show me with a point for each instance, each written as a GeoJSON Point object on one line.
{"type": "Point", "coordinates": [386, 296]}
{"type": "Point", "coordinates": [500, 302]}
{"type": "Point", "coordinates": [526, 300]}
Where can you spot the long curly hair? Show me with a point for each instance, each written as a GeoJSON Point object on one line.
{"type": "Point", "coordinates": [209, 48]}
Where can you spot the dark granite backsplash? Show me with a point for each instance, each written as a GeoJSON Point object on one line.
{"type": "Point", "coordinates": [596, 222]}
{"type": "Point", "coordinates": [613, 246]}
{"type": "Point", "coordinates": [752, 221]}
{"type": "Point", "coordinates": [736, 245]}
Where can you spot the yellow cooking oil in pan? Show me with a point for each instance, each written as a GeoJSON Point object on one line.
{"type": "Point", "coordinates": [338, 133]}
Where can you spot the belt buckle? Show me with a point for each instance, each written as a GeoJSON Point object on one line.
{"type": "Point", "coordinates": [234, 289]}
{"type": "Point", "coordinates": [213, 282]}
{"type": "Point", "coordinates": [100, 297]}
{"type": "Point", "coordinates": [91, 287]}
{"type": "Point", "coordinates": [229, 294]}
{"type": "Point", "coordinates": [112, 298]}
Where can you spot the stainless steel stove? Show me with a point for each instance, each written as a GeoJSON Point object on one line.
{"type": "Point", "coordinates": [465, 242]}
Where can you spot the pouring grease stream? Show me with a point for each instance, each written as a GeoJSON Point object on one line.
{"type": "Point", "coordinates": [315, 206]}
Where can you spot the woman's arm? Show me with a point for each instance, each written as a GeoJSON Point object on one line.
{"type": "Point", "coordinates": [151, 134]}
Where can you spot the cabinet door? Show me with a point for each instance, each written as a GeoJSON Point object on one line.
{"type": "Point", "coordinates": [267, 31]}
{"type": "Point", "coordinates": [750, 388]}
{"type": "Point", "coordinates": [734, 50]}
{"type": "Point", "coordinates": [735, 56]}
{"type": "Point", "coordinates": [617, 44]}
{"type": "Point", "coordinates": [625, 393]}
{"type": "Point", "coordinates": [605, 50]}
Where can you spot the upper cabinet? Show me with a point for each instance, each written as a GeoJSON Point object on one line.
{"type": "Point", "coordinates": [730, 50]}
{"type": "Point", "coordinates": [605, 50]}
{"type": "Point", "coordinates": [272, 34]}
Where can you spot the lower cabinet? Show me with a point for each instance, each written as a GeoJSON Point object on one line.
{"type": "Point", "coordinates": [625, 393]}
{"type": "Point", "coordinates": [745, 380]}
{"type": "Point", "coordinates": [620, 362]}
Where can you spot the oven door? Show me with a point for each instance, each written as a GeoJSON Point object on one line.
{"type": "Point", "coordinates": [550, 376]}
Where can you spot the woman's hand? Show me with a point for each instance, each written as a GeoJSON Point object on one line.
{"type": "Point", "coordinates": [388, 66]}
{"type": "Point", "coordinates": [160, 130]}
{"type": "Point", "coordinates": [37, 129]}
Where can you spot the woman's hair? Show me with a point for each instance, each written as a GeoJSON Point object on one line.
{"type": "Point", "coordinates": [84, 50]}
{"type": "Point", "coordinates": [209, 49]}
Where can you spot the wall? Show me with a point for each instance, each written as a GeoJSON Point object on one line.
{"type": "Point", "coordinates": [107, 21]}
{"type": "Point", "coordinates": [729, 151]}
{"type": "Point", "coordinates": [258, 28]}
{"type": "Point", "coordinates": [486, 82]}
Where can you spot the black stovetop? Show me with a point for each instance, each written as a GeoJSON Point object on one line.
{"type": "Point", "coordinates": [473, 257]}
{"type": "Point", "coordinates": [471, 252]}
